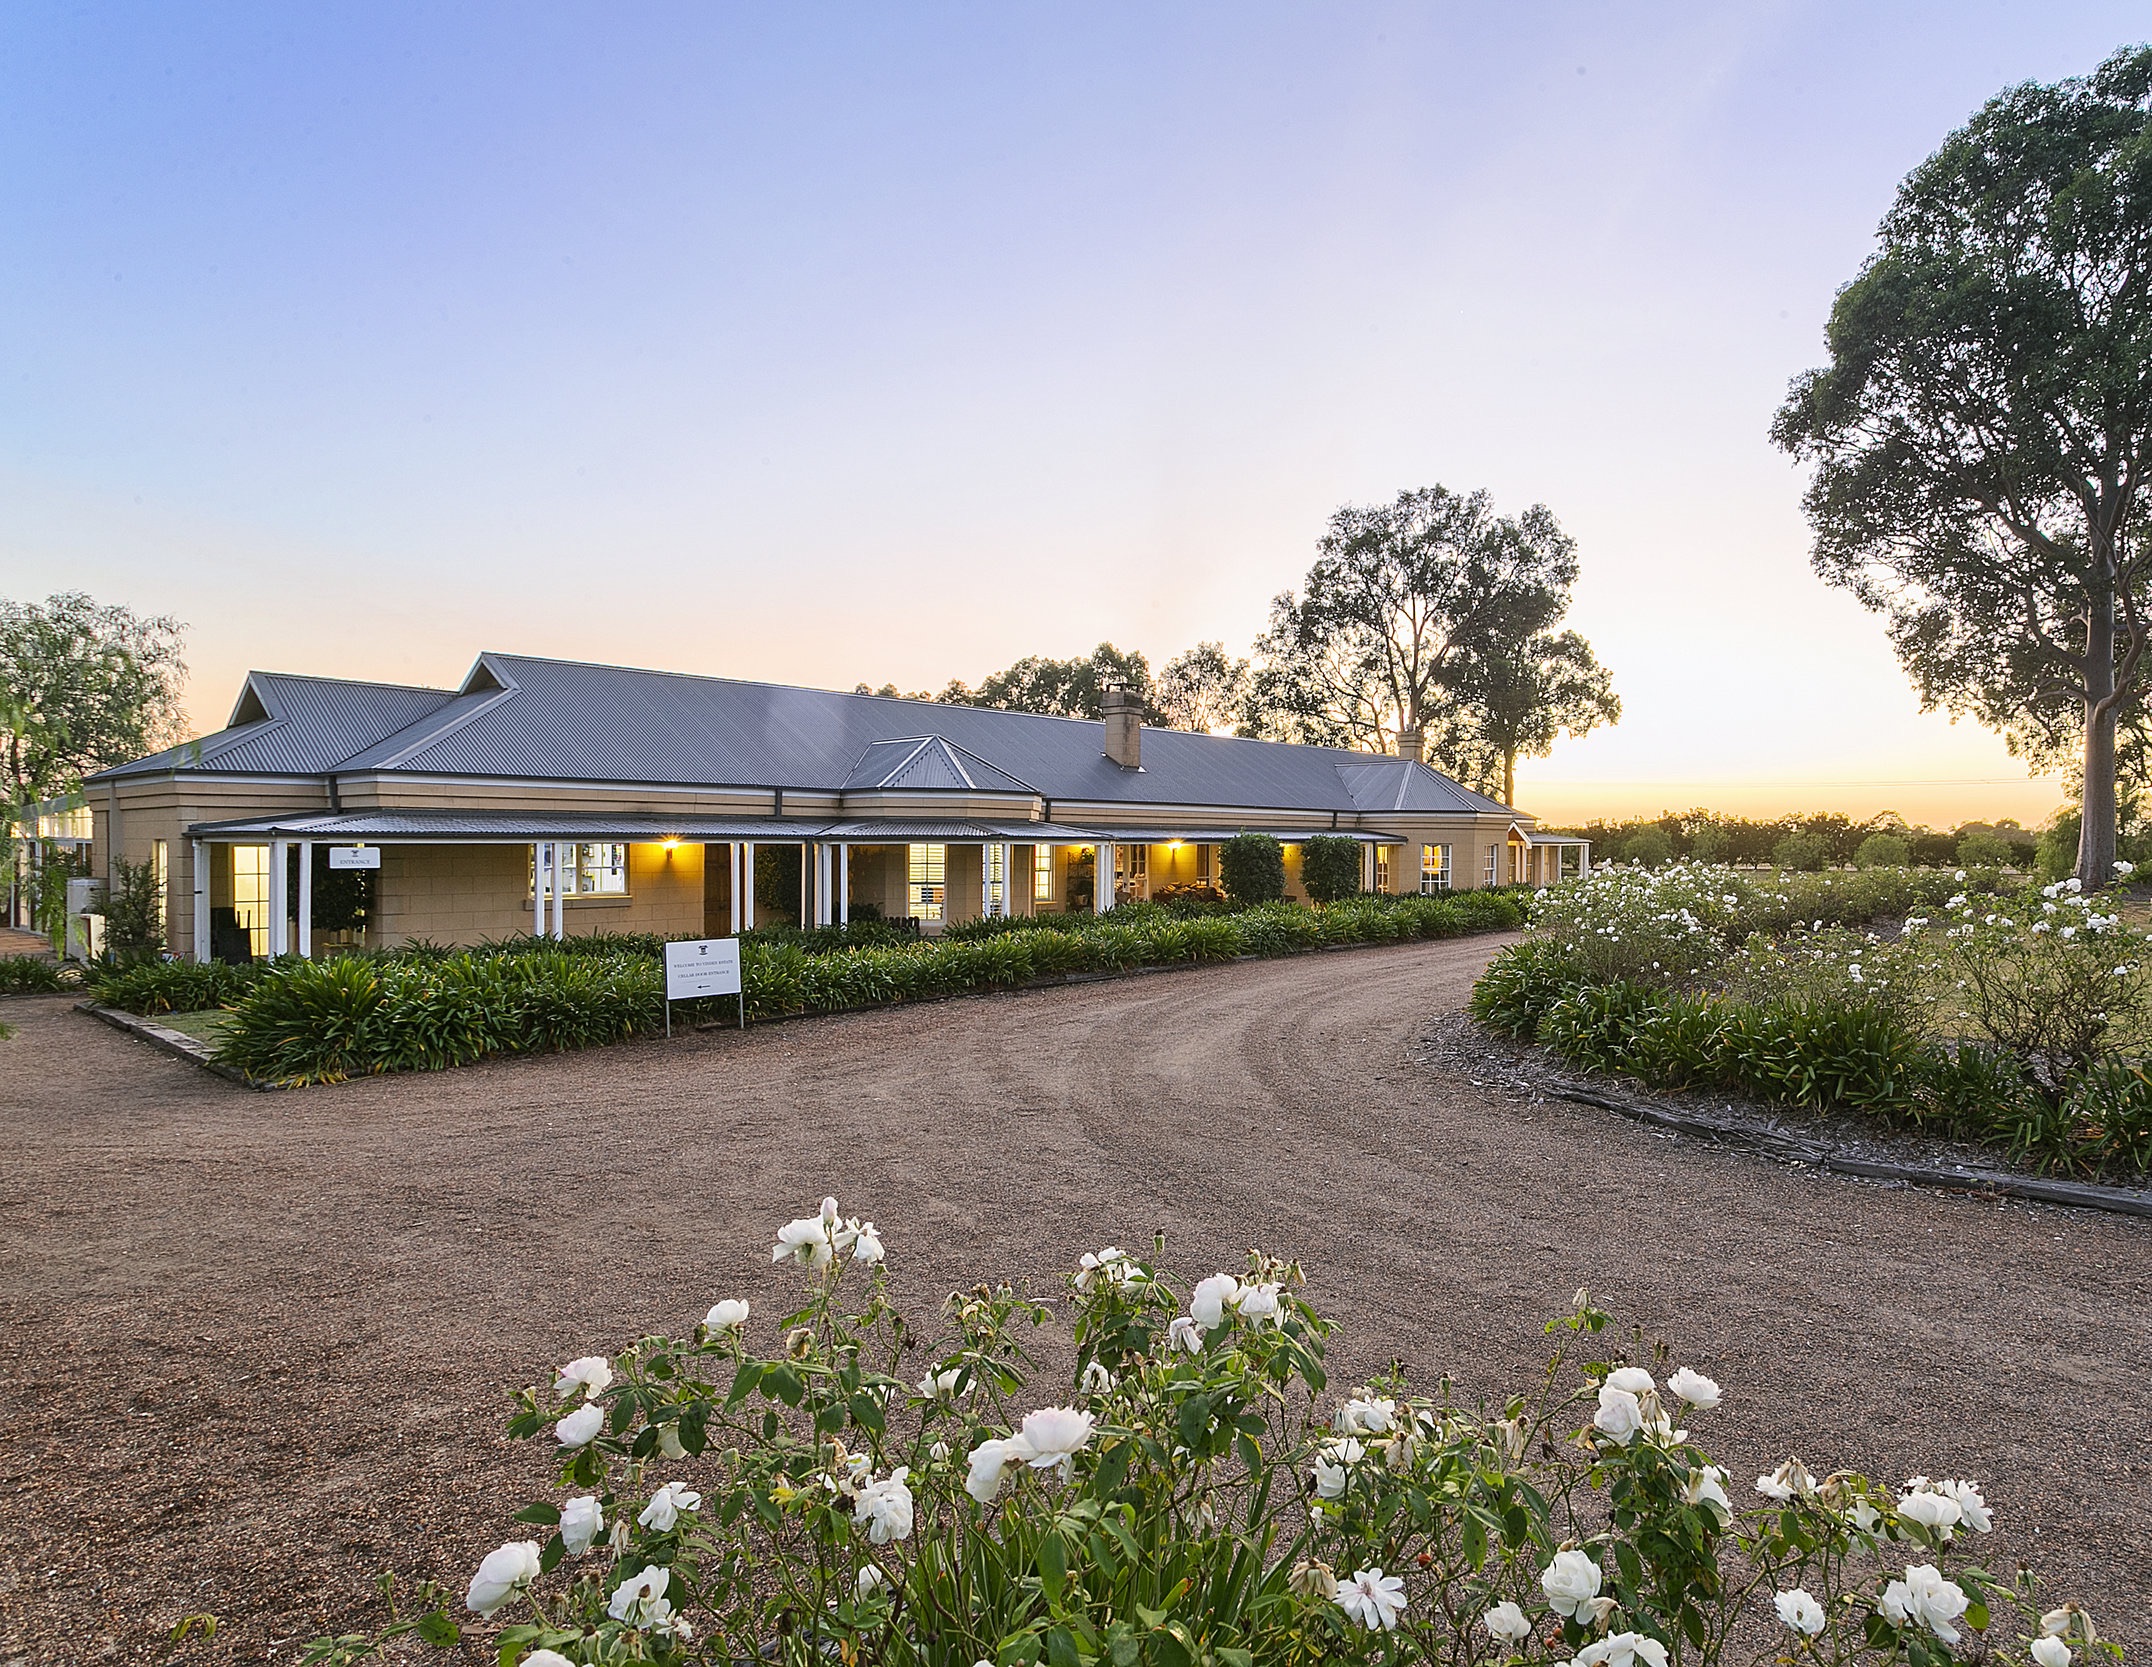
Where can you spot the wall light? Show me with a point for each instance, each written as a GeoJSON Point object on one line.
{"type": "Point", "coordinates": [670, 844]}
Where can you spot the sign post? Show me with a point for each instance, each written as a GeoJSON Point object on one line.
{"type": "Point", "coordinates": [702, 967]}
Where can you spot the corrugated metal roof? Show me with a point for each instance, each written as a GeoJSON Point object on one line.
{"type": "Point", "coordinates": [562, 720]}
{"type": "Point", "coordinates": [930, 762]}
{"type": "Point", "coordinates": [514, 827]}
{"type": "Point", "coordinates": [312, 725]}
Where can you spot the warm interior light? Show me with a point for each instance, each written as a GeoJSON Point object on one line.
{"type": "Point", "coordinates": [670, 844]}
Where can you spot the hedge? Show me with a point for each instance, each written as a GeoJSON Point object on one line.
{"type": "Point", "coordinates": [1818, 1055]}
{"type": "Point", "coordinates": [30, 975]}
{"type": "Point", "coordinates": [302, 1022]}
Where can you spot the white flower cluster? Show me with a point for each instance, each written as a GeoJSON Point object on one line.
{"type": "Point", "coordinates": [1048, 1439]}
{"type": "Point", "coordinates": [818, 1240]}
{"type": "Point", "coordinates": [1630, 1406]}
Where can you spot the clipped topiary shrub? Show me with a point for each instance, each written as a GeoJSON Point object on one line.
{"type": "Point", "coordinates": [1252, 868]}
{"type": "Point", "coordinates": [1330, 867]}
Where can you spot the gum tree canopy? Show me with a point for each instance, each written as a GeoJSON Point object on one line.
{"type": "Point", "coordinates": [83, 685]}
{"type": "Point", "coordinates": [1982, 432]}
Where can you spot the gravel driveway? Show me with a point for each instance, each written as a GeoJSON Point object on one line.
{"type": "Point", "coordinates": [256, 1344]}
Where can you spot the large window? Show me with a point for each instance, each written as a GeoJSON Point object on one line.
{"type": "Point", "coordinates": [997, 879]}
{"type": "Point", "coordinates": [1494, 865]}
{"type": "Point", "coordinates": [1435, 868]}
{"type": "Point", "coordinates": [597, 868]}
{"type": "Point", "coordinates": [926, 881]}
{"type": "Point", "coordinates": [1382, 868]}
{"type": "Point", "coordinates": [1042, 873]}
{"type": "Point", "coordinates": [1203, 865]}
{"type": "Point", "coordinates": [250, 895]}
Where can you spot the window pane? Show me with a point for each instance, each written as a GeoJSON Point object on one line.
{"type": "Point", "coordinates": [250, 894]}
{"type": "Point", "coordinates": [926, 870]}
{"type": "Point", "coordinates": [1042, 873]}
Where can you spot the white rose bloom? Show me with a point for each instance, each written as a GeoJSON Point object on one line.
{"type": "Point", "coordinates": [1507, 1623]}
{"type": "Point", "coordinates": [2050, 1651]}
{"type": "Point", "coordinates": [1096, 1380]}
{"type": "Point", "coordinates": [640, 1600]}
{"type": "Point", "coordinates": [1054, 1436]}
{"type": "Point", "coordinates": [1372, 1598]}
{"type": "Point", "coordinates": [502, 1574]}
{"type": "Point", "coordinates": [669, 1442]}
{"type": "Point", "coordinates": [1896, 1603]}
{"type": "Point", "coordinates": [1972, 1509]}
{"type": "Point", "coordinates": [1258, 1303]}
{"type": "Point", "coordinates": [1799, 1611]}
{"type": "Point", "coordinates": [1367, 1416]}
{"type": "Point", "coordinates": [866, 1244]}
{"type": "Point", "coordinates": [988, 1460]}
{"type": "Point", "coordinates": [938, 1385]}
{"type": "Point", "coordinates": [1706, 1486]}
{"type": "Point", "coordinates": [1937, 1512]}
{"type": "Point", "coordinates": [1623, 1649]}
{"type": "Point", "coordinates": [665, 1507]}
{"type": "Point", "coordinates": [1632, 1379]}
{"type": "Point", "coordinates": [590, 1375]}
{"type": "Point", "coordinates": [580, 1427]}
{"type": "Point", "coordinates": [869, 1579]}
{"type": "Point", "coordinates": [546, 1658]}
{"type": "Point", "coordinates": [581, 1522]}
{"type": "Point", "coordinates": [1620, 1415]}
{"type": "Point", "coordinates": [1570, 1581]}
{"type": "Point", "coordinates": [2056, 1622]}
{"type": "Point", "coordinates": [1786, 1481]}
{"type": "Point", "coordinates": [728, 1315]}
{"type": "Point", "coordinates": [806, 1240]}
{"type": "Point", "coordinates": [1333, 1466]}
{"type": "Point", "coordinates": [830, 1212]}
{"type": "Point", "coordinates": [1693, 1387]}
{"type": "Point", "coordinates": [884, 1508]}
{"type": "Point", "coordinates": [1934, 1600]}
{"type": "Point", "coordinates": [1207, 1307]}
{"type": "Point", "coordinates": [1184, 1333]}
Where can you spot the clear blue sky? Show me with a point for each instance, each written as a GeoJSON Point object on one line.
{"type": "Point", "coordinates": [891, 342]}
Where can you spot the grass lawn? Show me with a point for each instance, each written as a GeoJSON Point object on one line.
{"type": "Point", "coordinates": [207, 1025]}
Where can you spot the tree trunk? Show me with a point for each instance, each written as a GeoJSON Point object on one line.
{"type": "Point", "coordinates": [2096, 836]}
{"type": "Point", "coordinates": [1509, 778]}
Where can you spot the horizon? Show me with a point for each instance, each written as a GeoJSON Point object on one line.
{"type": "Point", "coordinates": [860, 348]}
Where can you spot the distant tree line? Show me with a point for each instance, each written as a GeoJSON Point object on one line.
{"type": "Point", "coordinates": [1830, 840]}
{"type": "Point", "coordinates": [1430, 615]}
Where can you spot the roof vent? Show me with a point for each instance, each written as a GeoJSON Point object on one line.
{"type": "Point", "coordinates": [1123, 709]}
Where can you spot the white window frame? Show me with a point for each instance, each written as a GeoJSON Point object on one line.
{"type": "Point", "coordinates": [1435, 875]}
{"type": "Point", "coordinates": [586, 868]}
{"type": "Point", "coordinates": [926, 881]}
{"type": "Point", "coordinates": [1042, 874]}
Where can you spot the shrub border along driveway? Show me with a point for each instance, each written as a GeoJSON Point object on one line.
{"type": "Point", "coordinates": [196, 1052]}
{"type": "Point", "coordinates": [1821, 1154]}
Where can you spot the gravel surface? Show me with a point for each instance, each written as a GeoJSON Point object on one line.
{"type": "Point", "coordinates": [256, 1344]}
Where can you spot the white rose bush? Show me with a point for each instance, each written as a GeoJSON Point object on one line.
{"type": "Point", "coordinates": [2019, 1019]}
{"type": "Point", "coordinates": [837, 1486]}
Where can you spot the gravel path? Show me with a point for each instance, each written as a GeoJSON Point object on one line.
{"type": "Point", "coordinates": [255, 1345]}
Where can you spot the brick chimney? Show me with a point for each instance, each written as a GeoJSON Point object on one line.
{"type": "Point", "coordinates": [1412, 744]}
{"type": "Point", "coordinates": [1124, 725]}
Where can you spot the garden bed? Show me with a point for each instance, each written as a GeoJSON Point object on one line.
{"type": "Point", "coordinates": [293, 1023]}
{"type": "Point", "coordinates": [1847, 1143]}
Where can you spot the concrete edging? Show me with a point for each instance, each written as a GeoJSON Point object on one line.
{"type": "Point", "coordinates": [174, 1042]}
{"type": "Point", "coordinates": [2088, 1195]}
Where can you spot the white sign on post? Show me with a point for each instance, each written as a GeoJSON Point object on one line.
{"type": "Point", "coordinates": [354, 856]}
{"type": "Point", "coordinates": [702, 967]}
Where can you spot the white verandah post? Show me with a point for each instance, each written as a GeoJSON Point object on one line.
{"type": "Point", "coordinates": [540, 856]}
{"type": "Point", "coordinates": [844, 885]}
{"type": "Point", "coordinates": [200, 881]}
{"type": "Point", "coordinates": [1102, 878]}
{"type": "Point", "coordinates": [747, 885]}
{"type": "Point", "coordinates": [563, 859]}
{"type": "Point", "coordinates": [306, 899]}
{"type": "Point", "coordinates": [279, 898]}
{"type": "Point", "coordinates": [732, 881]}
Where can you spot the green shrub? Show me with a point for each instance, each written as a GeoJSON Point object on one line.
{"type": "Point", "coordinates": [1519, 986]}
{"type": "Point", "coordinates": [30, 975]}
{"type": "Point", "coordinates": [174, 986]}
{"type": "Point", "coordinates": [1820, 1055]}
{"type": "Point", "coordinates": [1882, 850]}
{"type": "Point", "coordinates": [1803, 853]}
{"type": "Point", "coordinates": [1252, 868]}
{"type": "Point", "coordinates": [134, 913]}
{"type": "Point", "coordinates": [1330, 867]}
{"type": "Point", "coordinates": [1984, 850]}
{"type": "Point", "coordinates": [1650, 847]}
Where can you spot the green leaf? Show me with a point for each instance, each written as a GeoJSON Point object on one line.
{"type": "Point", "coordinates": [743, 1382]}
{"type": "Point", "coordinates": [1194, 1422]}
{"type": "Point", "coordinates": [438, 1630]}
{"type": "Point", "coordinates": [1061, 1648]}
{"type": "Point", "coordinates": [549, 1558]}
{"type": "Point", "coordinates": [1053, 1560]}
{"type": "Point", "coordinates": [540, 1512]}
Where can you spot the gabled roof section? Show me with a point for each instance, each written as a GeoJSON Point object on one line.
{"type": "Point", "coordinates": [1398, 784]}
{"type": "Point", "coordinates": [283, 724]}
{"type": "Point", "coordinates": [929, 763]}
{"type": "Point", "coordinates": [515, 718]}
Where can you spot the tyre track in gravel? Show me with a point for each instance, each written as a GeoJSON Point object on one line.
{"type": "Point", "coordinates": [255, 1346]}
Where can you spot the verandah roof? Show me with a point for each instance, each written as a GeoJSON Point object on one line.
{"type": "Point", "coordinates": [467, 827]}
